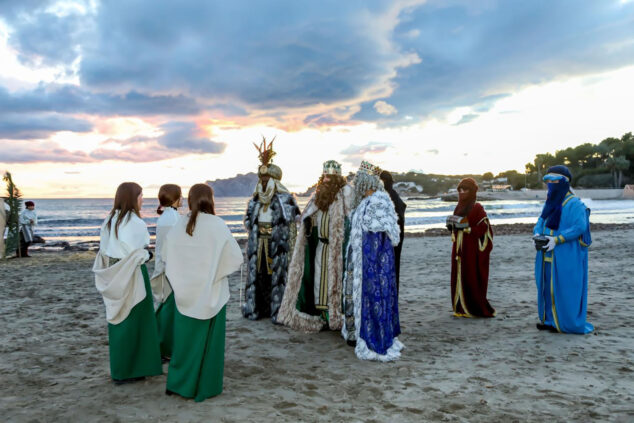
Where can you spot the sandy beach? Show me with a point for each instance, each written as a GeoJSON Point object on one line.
{"type": "Point", "coordinates": [54, 351]}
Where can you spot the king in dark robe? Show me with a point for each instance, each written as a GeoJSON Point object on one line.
{"type": "Point", "coordinates": [270, 223]}
{"type": "Point", "coordinates": [472, 239]}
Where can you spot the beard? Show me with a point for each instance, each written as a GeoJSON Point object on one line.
{"type": "Point", "coordinates": [327, 191]}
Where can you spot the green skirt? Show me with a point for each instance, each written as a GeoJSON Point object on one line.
{"type": "Point", "coordinates": [198, 358]}
{"type": "Point", "coordinates": [134, 343]}
{"type": "Point", "coordinates": [165, 321]}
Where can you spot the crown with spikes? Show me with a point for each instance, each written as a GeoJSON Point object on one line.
{"type": "Point", "coordinates": [265, 151]}
{"type": "Point", "coordinates": [332, 167]}
{"type": "Point", "coordinates": [369, 168]}
{"type": "Point", "coordinates": [266, 154]}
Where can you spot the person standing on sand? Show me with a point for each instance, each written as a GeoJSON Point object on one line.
{"type": "Point", "coordinates": [312, 298]}
{"type": "Point", "coordinates": [270, 222]}
{"type": "Point", "coordinates": [122, 279]}
{"type": "Point", "coordinates": [371, 320]}
{"type": "Point", "coordinates": [169, 201]}
{"type": "Point", "coordinates": [4, 211]}
{"type": "Point", "coordinates": [472, 239]}
{"type": "Point", "coordinates": [28, 221]}
{"type": "Point", "coordinates": [562, 237]}
{"type": "Point", "coordinates": [399, 206]}
{"type": "Point", "coordinates": [199, 253]}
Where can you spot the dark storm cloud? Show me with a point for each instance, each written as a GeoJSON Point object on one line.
{"type": "Point", "coordinates": [179, 139]}
{"type": "Point", "coordinates": [72, 99]}
{"type": "Point", "coordinates": [44, 38]}
{"type": "Point", "coordinates": [147, 58]}
{"type": "Point", "coordinates": [34, 152]}
{"type": "Point", "coordinates": [39, 126]}
{"type": "Point", "coordinates": [185, 136]}
{"type": "Point", "coordinates": [264, 54]}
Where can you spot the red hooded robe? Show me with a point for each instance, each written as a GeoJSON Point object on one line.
{"type": "Point", "coordinates": [470, 257]}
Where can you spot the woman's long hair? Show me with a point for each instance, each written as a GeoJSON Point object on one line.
{"type": "Point", "coordinates": [126, 201]}
{"type": "Point", "coordinates": [168, 194]}
{"type": "Point", "coordinates": [200, 200]}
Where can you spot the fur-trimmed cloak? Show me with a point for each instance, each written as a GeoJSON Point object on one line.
{"type": "Point", "coordinates": [289, 314]}
{"type": "Point", "coordinates": [370, 280]}
{"type": "Point", "coordinates": [284, 210]}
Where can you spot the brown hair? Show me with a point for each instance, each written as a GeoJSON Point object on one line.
{"type": "Point", "coordinates": [168, 194]}
{"type": "Point", "coordinates": [327, 191]}
{"type": "Point", "coordinates": [200, 200]}
{"type": "Point", "coordinates": [126, 200]}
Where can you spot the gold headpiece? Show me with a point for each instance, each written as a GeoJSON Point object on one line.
{"type": "Point", "coordinates": [266, 154]}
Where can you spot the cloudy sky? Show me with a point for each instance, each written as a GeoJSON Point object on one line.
{"type": "Point", "coordinates": [96, 93]}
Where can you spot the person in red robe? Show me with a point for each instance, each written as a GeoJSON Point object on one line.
{"type": "Point", "coordinates": [472, 239]}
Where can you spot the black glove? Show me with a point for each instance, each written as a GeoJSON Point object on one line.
{"type": "Point", "coordinates": [151, 255]}
{"type": "Point", "coordinates": [450, 223]}
{"type": "Point", "coordinates": [308, 227]}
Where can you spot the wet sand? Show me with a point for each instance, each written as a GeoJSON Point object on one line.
{"type": "Point", "coordinates": [54, 351]}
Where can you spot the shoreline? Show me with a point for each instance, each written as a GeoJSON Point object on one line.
{"type": "Point", "coordinates": [538, 195]}
{"type": "Point", "coordinates": [500, 229]}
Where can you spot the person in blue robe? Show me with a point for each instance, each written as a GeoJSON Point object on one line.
{"type": "Point", "coordinates": [561, 264]}
{"type": "Point", "coordinates": [370, 301]}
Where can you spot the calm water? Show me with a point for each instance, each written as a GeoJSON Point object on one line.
{"type": "Point", "coordinates": [76, 220]}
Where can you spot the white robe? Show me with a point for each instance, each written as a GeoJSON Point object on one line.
{"type": "Point", "coordinates": [197, 266]}
{"type": "Point", "coordinates": [132, 235]}
{"type": "Point", "coordinates": [121, 285]}
{"type": "Point", "coordinates": [28, 220]}
{"type": "Point", "coordinates": [161, 288]}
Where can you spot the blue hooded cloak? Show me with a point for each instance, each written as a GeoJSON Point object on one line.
{"type": "Point", "coordinates": [562, 274]}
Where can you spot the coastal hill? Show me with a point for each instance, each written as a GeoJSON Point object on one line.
{"type": "Point", "coordinates": [241, 185]}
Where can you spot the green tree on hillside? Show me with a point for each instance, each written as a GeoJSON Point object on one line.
{"type": "Point", "coordinates": [608, 163]}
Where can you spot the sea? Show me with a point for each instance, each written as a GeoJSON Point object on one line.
{"type": "Point", "coordinates": [78, 220]}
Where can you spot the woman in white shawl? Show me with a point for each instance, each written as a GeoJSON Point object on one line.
{"type": "Point", "coordinates": [170, 200]}
{"type": "Point", "coordinates": [122, 279]}
{"type": "Point", "coordinates": [199, 253]}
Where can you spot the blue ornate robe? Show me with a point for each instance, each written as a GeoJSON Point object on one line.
{"type": "Point", "coordinates": [370, 282]}
{"type": "Point", "coordinates": [562, 274]}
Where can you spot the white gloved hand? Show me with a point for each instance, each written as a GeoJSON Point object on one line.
{"type": "Point", "coordinates": [551, 243]}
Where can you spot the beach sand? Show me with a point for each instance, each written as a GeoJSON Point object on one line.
{"type": "Point", "coordinates": [54, 351]}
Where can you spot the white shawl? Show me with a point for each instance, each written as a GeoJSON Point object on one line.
{"type": "Point", "coordinates": [161, 288]}
{"type": "Point", "coordinates": [197, 266]}
{"type": "Point", "coordinates": [132, 235]}
{"type": "Point", "coordinates": [121, 284]}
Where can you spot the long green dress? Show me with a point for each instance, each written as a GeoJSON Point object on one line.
{"type": "Point", "coordinates": [165, 320]}
{"type": "Point", "coordinates": [134, 343]}
{"type": "Point", "coordinates": [198, 357]}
